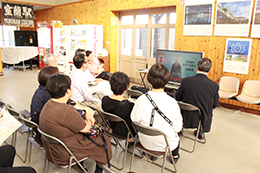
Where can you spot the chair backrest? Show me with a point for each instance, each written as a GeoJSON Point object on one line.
{"type": "Point", "coordinates": [134, 93]}
{"type": "Point", "coordinates": [53, 140]}
{"type": "Point", "coordinates": [114, 118]}
{"type": "Point", "coordinates": [188, 107]}
{"type": "Point", "coordinates": [28, 123]}
{"type": "Point", "coordinates": [229, 84]}
{"type": "Point", "coordinates": [251, 88]}
{"type": "Point", "coordinates": [151, 131]}
{"type": "Point", "coordinates": [13, 112]}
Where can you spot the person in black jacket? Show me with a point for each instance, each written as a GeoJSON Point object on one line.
{"type": "Point", "coordinates": [117, 103]}
{"type": "Point", "coordinates": [202, 92]}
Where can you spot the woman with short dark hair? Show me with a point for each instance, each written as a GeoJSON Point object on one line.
{"type": "Point", "coordinates": [41, 96]}
{"type": "Point", "coordinates": [65, 123]}
{"type": "Point", "coordinates": [117, 104]}
{"type": "Point", "coordinates": [159, 76]}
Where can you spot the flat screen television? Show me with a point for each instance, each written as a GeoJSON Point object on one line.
{"type": "Point", "coordinates": [180, 64]}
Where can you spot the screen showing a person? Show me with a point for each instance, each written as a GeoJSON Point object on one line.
{"type": "Point", "coordinates": [180, 64]}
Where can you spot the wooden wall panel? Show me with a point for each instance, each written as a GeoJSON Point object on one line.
{"type": "Point", "coordinates": [105, 12]}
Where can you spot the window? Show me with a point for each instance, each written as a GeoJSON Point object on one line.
{"type": "Point", "coordinates": [141, 33]}
{"type": "Point", "coordinates": [7, 35]}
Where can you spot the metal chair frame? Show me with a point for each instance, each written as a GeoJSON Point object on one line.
{"type": "Point", "coordinates": [106, 117]}
{"type": "Point", "coordinates": [30, 124]}
{"type": "Point", "coordinates": [108, 170]}
{"type": "Point", "coordinates": [17, 116]}
{"type": "Point", "coordinates": [190, 107]}
{"type": "Point", "coordinates": [53, 140]}
{"type": "Point", "coordinates": [151, 131]}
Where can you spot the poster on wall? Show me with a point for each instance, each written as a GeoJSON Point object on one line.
{"type": "Point", "coordinates": [18, 14]}
{"type": "Point", "coordinates": [198, 17]}
{"type": "Point", "coordinates": [256, 23]}
{"type": "Point", "coordinates": [233, 17]}
{"type": "Point", "coordinates": [237, 55]}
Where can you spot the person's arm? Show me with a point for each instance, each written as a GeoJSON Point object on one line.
{"type": "Point", "coordinates": [87, 95]}
{"type": "Point", "coordinates": [177, 121]}
{"type": "Point", "coordinates": [179, 93]}
{"type": "Point", "coordinates": [216, 98]}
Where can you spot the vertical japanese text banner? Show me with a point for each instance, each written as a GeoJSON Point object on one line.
{"type": "Point", "coordinates": [18, 14]}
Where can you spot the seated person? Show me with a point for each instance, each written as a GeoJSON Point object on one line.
{"type": "Point", "coordinates": [95, 69]}
{"type": "Point", "coordinates": [159, 76]}
{"type": "Point", "coordinates": [118, 105]}
{"type": "Point", "coordinates": [65, 123]}
{"type": "Point", "coordinates": [81, 78]}
{"type": "Point", "coordinates": [50, 60]}
{"type": "Point", "coordinates": [41, 96]}
{"type": "Point", "coordinates": [7, 154]}
{"type": "Point", "coordinates": [80, 82]}
{"type": "Point", "coordinates": [202, 92]}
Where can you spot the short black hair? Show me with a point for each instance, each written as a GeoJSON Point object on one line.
{"type": "Point", "coordinates": [78, 60]}
{"type": "Point", "coordinates": [119, 82]}
{"type": "Point", "coordinates": [158, 76]}
{"type": "Point", "coordinates": [79, 51]}
{"type": "Point", "coordinates": [88, 52]}
{"type": "Point", "coordinates": [46, 73]}
{"type": "Point", "coordinates": [58, 85]}
{"type": "Point", "coordinates": [204, 64]}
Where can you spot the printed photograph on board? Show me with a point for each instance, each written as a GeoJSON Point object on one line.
{"type": "Point", "coordinates": [198, 14]}
{"type": "Point", "coordinates": [257, 13]}
{"type": "Point", "coordinates": [233, 12]}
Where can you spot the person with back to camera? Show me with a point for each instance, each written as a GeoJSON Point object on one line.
{"type": "Point", "coordinates": [159, 76]}
{"type": "Point", "coordinates": [41, 95]}
{"type": "Point", "coordinates": [64, 122]}
{"type": "Point", "coordinates": [202, 92]}
{"type": "Point", "coordinates": [118, 105]}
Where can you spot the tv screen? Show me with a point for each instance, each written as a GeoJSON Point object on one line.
{"type": "Point", "coordinates": [180, 64]}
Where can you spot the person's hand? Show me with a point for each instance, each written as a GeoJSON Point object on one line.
{"type": "Point", "coordinates": [89, 118]}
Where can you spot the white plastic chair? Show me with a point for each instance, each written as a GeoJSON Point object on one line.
{"type": "Point", "coordinates": [228, 86]}
{"type": "Point", "coordinates": [250, 92]}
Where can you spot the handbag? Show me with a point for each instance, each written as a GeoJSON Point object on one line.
{"type": "Point", "coordinates": [95, 130]}
{"type": "Point", "coordinates": [158, 110]}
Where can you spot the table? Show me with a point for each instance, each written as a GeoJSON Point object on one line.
{"type": "Point", "coordinates": [142, 73]}
{"type": "Point", "coordinates": [14, 55]}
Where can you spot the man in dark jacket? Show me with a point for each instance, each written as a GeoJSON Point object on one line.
{"type": "Point", "coordinates": [202, 92]}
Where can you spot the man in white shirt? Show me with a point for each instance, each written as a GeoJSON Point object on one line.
{"type": "Point", "coordinates": [80, 81]}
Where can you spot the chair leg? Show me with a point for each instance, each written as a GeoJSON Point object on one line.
{"type": "Point", "coordinates": [14, 139]}
{"type": "Point", "coordinates": [133, 155]}
{"type": "Point", "coordinates": [195, 140]}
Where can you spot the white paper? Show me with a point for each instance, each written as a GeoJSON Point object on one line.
{"type": "Point", "coordinates": [233, 17]}
{"type": "Point", "coordinates": [198, 17]}
{"type": "Point", "coordinates": [237, 55]}
{"type": "Point", "coordinates": [8, 125]}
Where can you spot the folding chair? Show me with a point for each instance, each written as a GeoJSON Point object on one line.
{"type": "Point", "coordinates": [134, 93]}
{"type": "Point", "coordinates": [106, 117]}
{"type": "Point", "coordinates": [17, 116]}
{"type": "Point", "coordinates": [31, 138]}
{"type": "Point", "coordinates": [190, 107]}
{"type": "Point", "coordinates": [151, 131]}
{"type": "Point", "coordinates": [53, 140]}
